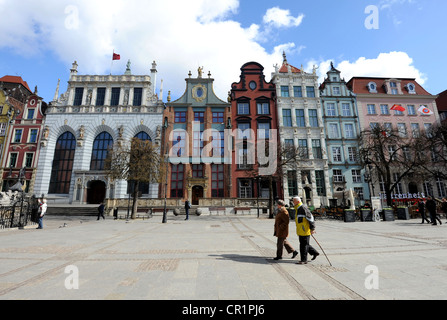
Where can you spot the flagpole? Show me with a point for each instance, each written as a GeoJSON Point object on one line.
{"type": "Point", "coordinates": [111, 64]}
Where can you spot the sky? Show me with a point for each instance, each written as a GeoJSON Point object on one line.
{"type": "Point", "coordinates": [385, 38]}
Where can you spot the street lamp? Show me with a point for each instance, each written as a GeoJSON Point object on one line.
{"type": "Point", "coordinates": [165, 127]}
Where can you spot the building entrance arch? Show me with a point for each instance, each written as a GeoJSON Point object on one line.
{"type": "Point", "coordinates": [96, 191]}
{"type": "Point", "coordinates": [197, 193]}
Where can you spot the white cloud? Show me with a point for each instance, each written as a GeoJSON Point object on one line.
{"type": "Point", "coordinates": [178, 35]}
{"type": "Point", "coordinates": [282, 18]}
{"type": "Point", "coordinates": [394, 64]}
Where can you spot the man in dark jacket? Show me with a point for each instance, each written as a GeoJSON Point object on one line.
{"type": "Point", "coordinates": [101, 211]}
{"type": "Point", "coordinates": [187, 207]}
{"type": "Point", "coordinates": [421, 208]}
{"type": "Point", "coordinates": [444, 206]}
{"type": "Point", "coordinates": [431, 207]}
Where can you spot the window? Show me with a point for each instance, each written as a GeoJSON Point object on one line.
{"type": "Point", "coordinates": [292, 183]}
{"type": "Point", "coordinates": [199, 117]}
{"type": "Point", "coordinates": [79, 93]}
{"type": "Point", "coordinates": [263, 130]}
{"type": "Point", "coordinates": [336, 91]}
{"type": "Point", "coordinates": [63, 164]}
{"type": "Point", "coordinates": [177, 172]}
{"type": "Point", "coordinates": [313, 118]}
{"type": "Point", "coordinates": [243, 108]}
{"type": "Point", "coordinates": [297, 92]}
{"type": "Point", "coordinates": [13, 160]}
{"type": "Point", "coordinates": [243, 158]}
{"type": "Point", "coordinates": [302, 149]}
{"type": "Point", "coordinates": [359, 191]}
{"type": "Point", "coordinates": [349, 131]}
{"type": "Point", "coordinates": [371, 108]}
{"type": "Point", "coordinates": [287, 117]}
{"type": "Point", "coordinates": [316, 149]}
{"type": "Point", "coordinates": [441, 188]}
{"type": "Point", "coordinates": [29, 160]}
{"type": "Point", "coordinates": [352, 154]}
{"type": "Point", "coordinates": [30, 115]}
{"type": "Point", "coordinates": [197, 144]}
{"type": "Point", "coordinates": [330, 110]}
{"type": "Point", "coordinates": [218, 117]}
{"type": "Point", "coordinates": [319, 181]}
{"type": "Point", "coordinates": [115, 100]}
{"type": "Point", "coordinates": [402, 129]}
{"type": "Point", "coordinates": [137, 96]}
{"type": "Point", "coordinates": [217, 180]}
{"type": "Point", "coordinates": [180, 117]}
{"type": "Point", "coordinates": [100, 96]}
{"type": "Point", "coordinates": [300, 121]}
{"type": "Point", "coordinates": [346, 109]}
{"type": "Point", "coordinates": [406, 153]}
{"type": "Point", "coordinates": [285, 91]}
{"type": "Point", "coordinates": [428, 130]}
{"type": "Point", "coordinates": [18, 135]}
{"type": "Point", "coordinates": [218, 143]}
{"type": "Point", "coordinates": [356, 176]}
{"type": "Point", "coordinates": [101, 146]}
{"type": "Point", "coordinates": [392, 152]}
{"type": "Point", "coordinates": [310, 92]}
{"type": "Point", "coordinates": [3, 129]}
{"type": "Point", "coordinates": [393, 87]}
{"type": "Point", "coordinates": [373, 125]}
{"type": "Point", "coordinates": [143, 136]}
{"type": "Point", "coordinates": [263, 108]}
{"type": "Point", "coordinates": [178, 143]}
{"type": "Point", "coordinates": [333, 131]}
{"type": "Point", "coordinates": [411, 110]}
{"type": "Point", "coordinates": [384, 109]}
{"type": "Point", "coordinates": [197, 170]}
{"type": "Point", "coordinates": [244, 131]}
{"type": "Point", "coordinates": [336, 154]}
{"type": "Point", "coordinates": [398, 187]}
{"type": "Point", "coordinates": [33, 135]}
{"type": "Point", "coordinates": [245, 188]}
{"type": "Point", "coordinates": [415, 130]}
{"type": "Point", "coordinates": [337, 175]}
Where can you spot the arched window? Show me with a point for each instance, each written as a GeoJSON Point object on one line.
{"type": "Point", "coordinates": [101, 146]}
{"type": "Point", "coordinates": [63, 164]}
{"type": "Point", "coordinates": [143, 136]}
{"type": "Point", "coordinates": [143, 186]}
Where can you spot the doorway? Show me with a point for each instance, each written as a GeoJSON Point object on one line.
{"type": "Point", "coordinates": [197, 193]}
{"type": "Point", "coordinates": [96, 192]}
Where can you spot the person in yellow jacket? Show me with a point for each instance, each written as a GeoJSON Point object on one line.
{"type": "Point", "coordinates": [305, 227]}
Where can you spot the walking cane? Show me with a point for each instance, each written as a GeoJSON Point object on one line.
{"type": "Point", "coordinates": [322, 250]}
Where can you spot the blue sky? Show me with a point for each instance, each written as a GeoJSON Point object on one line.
{"type": "Point", "coordinates": [40, 40]}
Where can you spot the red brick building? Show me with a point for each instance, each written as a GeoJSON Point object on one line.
{"type": "Point", "coordinates": [254, 113]}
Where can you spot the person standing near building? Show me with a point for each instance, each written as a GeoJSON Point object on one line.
{"type": "Point", "coordinates": [187, 207]}
{"type": "Point", "coordinates": [421, 208]}
{"type": "Point", "coordinates": [305, 227]}
{"type": "Point", "coordinates": [101, 211]}
{"type": "Point", "coordinates": [282, 231]}
{"type": "Point", "coordinates": [431, 207]}
{"type": "Point", "coordinates": [41, 211]}
{"type": "Point", "coordinates": [444, 206]}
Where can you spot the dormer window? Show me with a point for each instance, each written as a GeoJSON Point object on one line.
{"type": "Point", "coordinates": [372, 87]}
{"type": "Point", "coordinates": [411, 88]}
{"type": "Point", "coordinates": [393, 87]}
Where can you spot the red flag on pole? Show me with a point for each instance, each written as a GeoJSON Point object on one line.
{"type": "Point", "coordinates": [116, 56]}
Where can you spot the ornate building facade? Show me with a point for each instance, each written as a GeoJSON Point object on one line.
{"type": "Point", "coordinates": [301, 125]}
{"type": "Point", "coordinates": [342, 128]}
{"type": "Point", "coordinates": [81, 125]}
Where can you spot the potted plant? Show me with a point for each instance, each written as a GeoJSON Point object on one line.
{"type": "Point", "coordinates": [403, 213]}
{"type": "Point", "coordinates": [388, 214]}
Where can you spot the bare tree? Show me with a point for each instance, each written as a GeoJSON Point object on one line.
{"type": "Point", "coordinates": [391, 155]}
{"type": "Point", "coordinates": [136, 162]}
{"type": "Point", "coordinates": [435, 151]}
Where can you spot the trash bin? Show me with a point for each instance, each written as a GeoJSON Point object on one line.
{"type": "Point", "coordinates": [349, 215]}
{"type": "Point", "coordinates": [388, 214]}
{"type": "Point", "coordinates": [403, 213]}
{"type": "Point", "coordinates": [366, 215]}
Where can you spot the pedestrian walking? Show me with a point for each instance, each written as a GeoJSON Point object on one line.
{"type": "Point", "coordinates": [101, 211]}
{"type": "Point", "coordinates": [421, 208]}
{"type": "Point", "coordinates": [282, 231]}
{"type": "Point", "coordinates": [444, 206]}
{"type": "Point", "coordinates": [187, 207]}
{"type": "Point", "coordinates": [305, 227]}
{"type": "Point", "coordinates": [431, 207]}
{"type": "Point", "coordinates": [42, 211]}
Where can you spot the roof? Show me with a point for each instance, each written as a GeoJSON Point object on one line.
{"type": "Point", "coordinates": [441, 101]}
{"type": "Point", "coordinates": [284, 68]}
{"type": "Point", "coordinates": [359, 85]}
{"type": "Point", "coordinates": [15, 79]}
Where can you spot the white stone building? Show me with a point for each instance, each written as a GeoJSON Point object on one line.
{"type": "Point", "coordinates": [301, 125]}
{"type": "Point", "coordinates": [95, 112]}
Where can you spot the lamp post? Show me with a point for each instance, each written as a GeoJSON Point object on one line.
{"type": "Point", "coordinates": [165, 128]}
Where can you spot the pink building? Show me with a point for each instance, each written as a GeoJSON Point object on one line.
{"type": "Point", "coordinates": [375, 100]}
